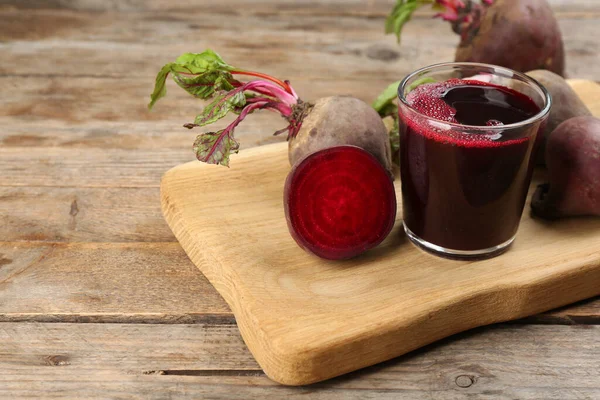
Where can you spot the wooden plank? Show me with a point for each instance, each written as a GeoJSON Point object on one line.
{"type": "Point", "coordinates": [123, 135]}
{"type": "Point", "coordinates": [82, 215]}
{"type": "Point", "coordinates": [114, 282]}
{"type": "Point", "coordinates": [110, 45]}
{"type": "Point", "coordinates": [208, 361]}
{"type": "Point", "coordinates": [106, 47]}
{"type": "Point", "coordinates": [99, 50]}
{"type": "Point", "coordinates": [90, 168]}
{"type": "Point", "coordinates": [128, 348]}
{"type": "Point", "coordinates": [144, 135]}
{"type": "Point", "coordinates": [136, 282]}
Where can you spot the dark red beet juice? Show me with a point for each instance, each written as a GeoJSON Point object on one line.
{"type": "Point", "coordinates": [465, 189]}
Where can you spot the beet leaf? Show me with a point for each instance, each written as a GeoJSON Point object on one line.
{"type": "Point", "coordinates": [384, 103]}
{"type": "Point", "coordinates": [199, 74]}
{"type": "Point", "coordinates": [208, 77]}
{"type": "Point", "coordinates": [220, 106]}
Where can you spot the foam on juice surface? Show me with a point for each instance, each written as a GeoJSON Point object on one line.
{"type": "Point", "coordinates": [429, 99]}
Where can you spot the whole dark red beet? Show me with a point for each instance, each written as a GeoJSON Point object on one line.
{"type": "Point", "coordinates": [519, 34]}
{"type": "Point", "coordinates": [573, 160]}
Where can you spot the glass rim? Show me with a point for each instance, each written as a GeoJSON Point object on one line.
{"type": "Point", "coordinates": [540, 115]}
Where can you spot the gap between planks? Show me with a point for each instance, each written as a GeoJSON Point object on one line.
{"type": "Point", "coordinates": [553, 317]}
{"type": "Point", "coordinates": [212, 319]}
{"type": "Point", "coordinates": [206, 372]}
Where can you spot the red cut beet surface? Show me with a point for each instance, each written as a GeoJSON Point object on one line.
{"type": "Point", "coordinates": [339, 202]}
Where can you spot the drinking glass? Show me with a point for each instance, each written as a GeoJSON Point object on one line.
{"type": "Point", "coordinates": [464, 186]}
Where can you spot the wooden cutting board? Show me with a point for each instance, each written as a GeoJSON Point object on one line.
{"type": "Point", "coordinates": [305, 319]}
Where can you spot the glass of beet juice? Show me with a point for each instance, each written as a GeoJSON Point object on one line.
{"type": "Point", "coordinates": [468, 136]}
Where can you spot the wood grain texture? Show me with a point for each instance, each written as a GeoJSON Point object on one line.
{"type": "Point", "coordinates": [63, 167]}
{"type": "Point", "coordinates": [123, 135]}
{"type": "Point", "coordinates": [152, 283]}
{"type": "Point", "coordinates": [89, 55]}
{"type": "Point", "coordinates": [307, 319]}
{"type": "Point", "coordinates": [108, 361]}
{"type": "Point", "coordinates": [108, 282]}
{"type": "Point", "coordinates": [82, 215]}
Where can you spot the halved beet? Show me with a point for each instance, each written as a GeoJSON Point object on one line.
{"type": "Point", "coordinates": [339, 202]}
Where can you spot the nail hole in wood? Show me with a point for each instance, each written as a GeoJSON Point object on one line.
{"type": "Point", "coordinates": [465, 381]}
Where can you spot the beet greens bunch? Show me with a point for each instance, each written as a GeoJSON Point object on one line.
{"type": "Point", "coordinates": [206, 76]}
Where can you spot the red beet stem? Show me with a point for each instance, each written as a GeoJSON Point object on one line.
{"type": "Point", "coordinates": [339, 202]}
{"type": "Point", "coordinates": [284, 84]}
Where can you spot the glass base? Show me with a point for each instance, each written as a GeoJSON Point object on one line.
{"type": "Point", "coordinates": [458, 254]}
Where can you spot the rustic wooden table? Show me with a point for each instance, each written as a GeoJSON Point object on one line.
{"type": "Point", "coordinates": [98, 300]}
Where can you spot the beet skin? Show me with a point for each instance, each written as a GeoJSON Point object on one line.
{"type": "Point", "coordinates": [566, 104]}
{"type": "Point", "coordinates": [342, 120]}
{"type": "Point", "coordinates": [573, 160]}
{"type": "Point", "coordinates": [519, 34]}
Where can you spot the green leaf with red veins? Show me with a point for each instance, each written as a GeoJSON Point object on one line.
{"type": "Point", "coordinates": [204, 86]}
{"type": "Point", "coordinates": [201, 74]}
{"type": "Point", "coordinates": [199, 63]}
{"type": "Point", "coordinates": [215, 147]}
{"type": "Point", "coordinates": [160, 87]}
{"type": "Point", "coordinates": [206, 76]}
{"type": "Point", "coordinates": [220, 107]}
